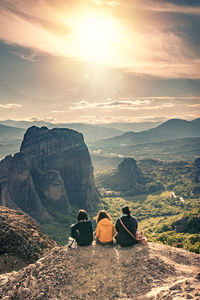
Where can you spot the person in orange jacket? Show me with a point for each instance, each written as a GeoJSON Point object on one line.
{"type": "Point", "coordinates": [105, 229]}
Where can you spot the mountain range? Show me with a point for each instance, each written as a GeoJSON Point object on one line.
{"type": "Point", "coordinates": [171, 129]}
{"type": "Point", "coordinates": [10, 133]}
{"type": "Point", "coordinates": [174, 137]}
{"type": "Point", "coordinates": [91, 132]}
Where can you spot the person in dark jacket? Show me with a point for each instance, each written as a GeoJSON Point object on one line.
{"type": "Point", "coordinates": [82, 231]}
{"type": "Point", "coordinates": [123, 237]}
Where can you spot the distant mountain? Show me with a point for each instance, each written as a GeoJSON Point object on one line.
{"type": "Point", "coordinates": [9, 148]}
{"type": "Point", "coordinates": [8, 133]}
{"type": "Point", "coordinates": [176, 149]}
{"type": "Point", "coordinates": [133, 126]}
{"type": "Point", "coordinates": [179, 128]}
{"type": "Point", "coordinates": [91, 132]}
{"type": "Point", "coordinates": [171, 129]}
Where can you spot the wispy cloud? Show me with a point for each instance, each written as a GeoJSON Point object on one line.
{"type": "Point", "coordinates": [26, 56]}
{"type": "Point", "coordinates": [185, 7]}
{"type": "Point", "coordinates": [10, 105]}
{"type": "Point", "coordinates": [135, 104]}
{"type": "Point", "coordinates": [58, 111]}
{"type": "Point", "coordinates": [147, 103]}
{"type": "Point", "coordinates": [194, 105]}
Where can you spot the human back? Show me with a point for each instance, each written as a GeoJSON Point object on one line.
{"type": "Point", "coordinates": [105, 229]}
{"type": "Point", "coordinates": [82, 231]}
{"type": "Point", "coordinates": [126, 227]}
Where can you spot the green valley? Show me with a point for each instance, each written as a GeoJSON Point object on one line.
{"type": "Point", "coordinates": [157, 213]}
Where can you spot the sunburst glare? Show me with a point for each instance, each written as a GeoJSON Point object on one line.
{"type": "Point", "coordinates": [94, 37]}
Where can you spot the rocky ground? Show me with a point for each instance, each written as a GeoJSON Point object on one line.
{"type": "Point", "coordinates": [21, 240]}
{"type": "Point", "coordinates": [151, 271]}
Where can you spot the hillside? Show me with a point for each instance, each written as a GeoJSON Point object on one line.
{"type": "Point", "coordinates": [8, 133]}
{"type": "Point", "coordinates": [91, 132]}
{"type": "Point", "coordinates": [133, 126]}
{"type": "Point", "coordinates": [9, 148]}
{"type": "Point", "coordinates": [176, 149]}
{"type": "Point", "coordinates": [21, 240]}
{"type": "Point", "coordinates": [172, 129]}
{"type": "Point", "coordinates": [141, 272]}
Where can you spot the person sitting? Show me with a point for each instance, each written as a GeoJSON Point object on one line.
{"type": "Point", "coordinates": [105, 229]}
{"type": "Point", "coordinates": [126, 227]}
{"type": "Point", "coordinates": [82, 231]}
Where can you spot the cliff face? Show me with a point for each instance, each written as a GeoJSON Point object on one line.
{"type": "Point", "coordinates": [52, 171]}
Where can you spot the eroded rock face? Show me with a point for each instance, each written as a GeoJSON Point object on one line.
{"type": "Point", "coordinates": [52, 171]}
{"type": "Point", "coordinates": [21, 240]}
{"type": "Point", "coordinates": [127, 179]}
{"type": "Point", "coordinates": [129, 174]}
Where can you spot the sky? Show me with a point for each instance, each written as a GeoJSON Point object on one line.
{"type": "Point", "coordinates": [95, 61]}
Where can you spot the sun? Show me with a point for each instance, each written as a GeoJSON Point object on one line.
{"type": "Point", "coordinates": [95, 36]}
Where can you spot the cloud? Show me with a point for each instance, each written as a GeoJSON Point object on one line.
{"type": "Point", "coordinates": [134, 104]}
{"type": "Point", "coordinates": [10, 105]}
{"type": "Point", "coordinates": [94, 119]}
{"type": "Point", "coordinates": [157, 38]}
{"type": "Point", "coordinates": [58, 111]}
{"type": "Point", "coordinates": [194, 105]}
{"type": "Point", "coordinates": [184, 7]}
{"type": "Point", "coordinates": [26, 56]}
{"type": "Point", "coordinates": [147, 103]}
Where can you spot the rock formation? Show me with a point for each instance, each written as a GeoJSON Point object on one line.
{"type": "Point", "coordinates": [128, 178]}
{"type": "Point", "coordinates": [129, 174]}
{"type": "Point", "coordinates": [51, 173]}
{"type": "Point", "coordinates": [153, 271]}
{"type": "Point", "coordinates": [21, 241]}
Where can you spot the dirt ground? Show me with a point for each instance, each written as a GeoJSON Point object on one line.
{"type": "Point", "coordinates": [151, 271]}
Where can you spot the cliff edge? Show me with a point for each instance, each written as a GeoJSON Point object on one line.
{"type": "Point", "coordinates": [153, 271]}
{"type": "Point", "coordinates": [21, 240]}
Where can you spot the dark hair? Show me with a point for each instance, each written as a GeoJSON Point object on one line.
{"type": "Point", "coordinates": [126, 210]}
{"type": "Point", "coordinates": [82, 215]}
{"type": "Point", "coordinates": [102, 214]}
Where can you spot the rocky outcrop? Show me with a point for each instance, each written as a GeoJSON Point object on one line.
{"type": "Point", "coordinates": [127, 179]}
{"type": "Point", "coordinates": [129, 174]}
{"type": "Point", "coordinates": [51, 173]}
{"type": "Point", "coordinates": [21, 240]}
{"type": "Point", "coordinates": [151, 271]}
